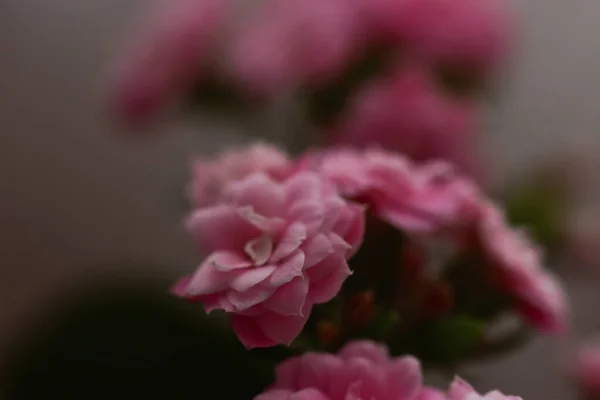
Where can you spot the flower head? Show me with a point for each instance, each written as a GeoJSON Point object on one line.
{"type": "Point", "coordinates": [361, 370]}
{"type": "Point", "coordinates": [518, 261]}
{"type": "Point", "coordinates": [209, 177]}
{"type": "Point", "coordinates": [293, 43]}
{"type": "Point", "coordinates": [468, 33]}
{"type": "Point", "coordinates": [408, 113]}
{"type": "Point", "coordinates": [275, 249]}
{"type": "Point", "coordinates": [168, 57]}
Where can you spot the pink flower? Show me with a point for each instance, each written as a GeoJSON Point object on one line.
{"type": "Point", "coordinates": [586, 369]}
{"type": "Point", "coordinates": [407, 113]}
{"type": "Point", "coordinates": [294, 43]}
{"type": "Point", "coordinates": [469, 33]}
{"type": "Point", "coordinates": [415, 199]}
{"type": "Point", "coordinates": [538, 295]}
{"type": "Point", "coordinates": [361, 370]}
{"type": "Point", "coordinates": [211, 176]}
{"type": "Point", "coordinates": [428, 393]}
{"type": "Point", "coordinates": [168, 58]}
{"type": "Point", "coordinates": [275, 249]}
{"type": "Point", "coordinates": [461, 390]}
{"type": "Point", "coordinates": [283, 394]}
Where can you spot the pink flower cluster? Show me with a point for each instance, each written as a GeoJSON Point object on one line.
{"type": "Point", "coordinates": [275, 248]}
{"type": "Point", "coordinates": [433, 198]}
{"type": "Point", "coordinates": [290, 44]}
{"type": "Point", "coordinates": [361, 370]}
{"type": "Point", "coordinates": [278, 233]}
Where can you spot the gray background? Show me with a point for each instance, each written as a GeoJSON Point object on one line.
{"type": "Point", "coordinates": [75, 195]}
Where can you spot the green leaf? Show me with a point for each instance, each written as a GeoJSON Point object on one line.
{"type": "Point", "coordinates": [450, 338]}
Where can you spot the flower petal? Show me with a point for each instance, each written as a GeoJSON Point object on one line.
{"type": "Point", "coordinates": [220, 228]}
{"type": "Point", "coordinates": [404, 377]}
{"type": "Point", "coordinates": [309, 213]}
{"type": "Point", "coordinates": [258, 190]}
{"type": "Point", "coordinates": [251, 277]}
{"type": "Point", "coordinates": [283, 329]}
{"type": "Point", "coordinates": [287, 271]}
{"type": "Point", "coordinates": [249, 333]}
{"type": "Point", "coordinates": [207, 279]}
{"type": "Point", "coordinates": [225, 261]}
{"type": "Point", "coordinates": [326, 278]}
{"type": "Point", "coordinates": [249, 298]}
{"type": "Point", "coordinates": [289, 298]}
{"type": "Point", "coordinates": [316, 250]}
{"type": "Point", "coordinates": [292, 238]}
{"type": "Point", "coordinates": [259, 250]}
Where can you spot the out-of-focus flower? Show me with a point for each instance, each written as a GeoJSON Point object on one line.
{"type": "Point", "coordinates": [210, 176]}
{"type": "Point", "coordinates": [411, 197]}
{"type": "Point", "coordinates": [406, 112]}
{"type": "Point", "coordinates": [428, 393]}
{"type": "Point", "coordinates": [284, 394]}
{"type": "Point", "coordinates": [461, 390]}
{"type": "Point", "coordinates": [168, 58]}
{"type": "Point", "coordinates": [433, 198]}
{"type": "Point", "coordinates": [585, 369]}
{"type": "Point", "coordinates": [275, 250]}
{"type": "Point", "coordinates": [475, 34]}
{"type": "Point", "coordinates": [361, 370]}
{"type": "Point", "coordinates": [539, 297]}
{"type": "Point", "coordinates": [296, 43]}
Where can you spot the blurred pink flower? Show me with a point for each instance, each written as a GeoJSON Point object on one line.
{"type": "Point", "coordinates": [406, 112]}
{"type": "Point", "coordinates": [461, 390]}
{"type": "Point", "coordinates": [427, 393]}
{"type": "Point", "coordinates": [518, 261]}
{"type": "Point", "coordinates": [475, 34]}
{"type": "Point", "coordinates": [275, 249]}
{"type": "Point", "coordinates": [361, 370]}
{"type": "Point", "coordinates": [284, 394]}
{"type": "Point", "coordinates": [414, 198]}
{"type": "Point", "coordinates": [292, 43]}
{"type": "Point", "coordinates": [167, 59]}
{"type": "Point", "coordinates": [586, 369]}
{"type": "Point", "coordinates": [209, 176]}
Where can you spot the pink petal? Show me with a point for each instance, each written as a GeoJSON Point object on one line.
{"type": "Point", "coordinates": [259, 191]}
{"type": "Point", "coordinates": [316, 250]}
{"type": "Point", "coordinates": [430, 394]}
{"type": "Point", "coordinates": [248, 332]}
{"type": "Point", "coordinates": [249, 298]}
{"type": "Point", "coordinates": [207, 280]}
{"type": "Point", "coordinates": [367, 349]}
{"type": "Point", "coordinates": [326, 279]}
{"type": "Point", "coordinates": [303, 187]}
{"type": "Point", "coordinates": [225, 261]}
{"type": "Point", "coordinates": [292, 238]}
{"type": "Point", "coordinates": [250, 278]}
{"type": "Point", "coordinates": [309, 370]}
{"type": "Point", "coordinates": [179, 289]}
{"type": "Point", "coordinates": [404, 377]}
{"type": "Point", "coordinates": [289, 298]}
{"type": "Point", "coordinates": [351, 226]}
{"type": "Point", "coordinates": [259, 250]}
{"type": "Point", "coordinates": [309, 213]}
{"type": "Point", "coordinates": [220, 228]}
{"type": "Point", "coordinates": [283, 329]}
{"type": "Point", "coordinates": [371, 379]}
{"type": "Point", "coordinates": [289, 270]}
{"type": "Point", "coordinates": [459, 389]}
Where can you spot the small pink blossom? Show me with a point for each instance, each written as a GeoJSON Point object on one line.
{"type": "Point", "coordinates": [461, 390]}
{"type": "Point", "coordinates": [361, 370]}
{"type": "Point", "coordinates": [292, 43]}
{"type": "Point", "coordinates": [537, 293]}
{"type": "Point", "coordinates": [210, 176]}
{"type": "Point", "coordinates": [414, 198]}
{"type": "Point", "coordinates": [168, 57]}
{"type": "Point", "coordinates": [586, 369]}
{"type": "Point", "coordinates": [275, 249]}
{"type": "Point", "coordinates": [469, 33]}
{"type": "Point", "coordinates": [407, 112]}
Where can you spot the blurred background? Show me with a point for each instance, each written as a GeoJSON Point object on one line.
{"type": "Point", "coordinates": [80, 201]}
